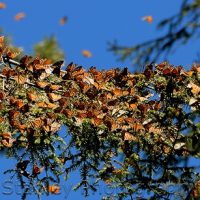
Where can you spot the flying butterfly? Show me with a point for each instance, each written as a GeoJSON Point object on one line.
{"type": "Point", "coordinates": [2, 5]}
{"type": "Point", "coordinates": [19, 16]}
{"type": "Point", "coordinates": [86, 53]}
{"type": "Point", "coordinates": [63, 20]}
{"type": "Point", "coordinates": [148, 19]}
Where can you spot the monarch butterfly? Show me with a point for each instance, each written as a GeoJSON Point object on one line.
{"type": "Point", "coordinates": [19, 103]}
{"type": "Point", "coordinates": [2, 95]}
{"type": "Point", "coordinates": [36, 170]}
{"type": "Point", "coordinates": [54, 189]}
{"type": "Point", "coordinates": [41, 84]}
{"type": "Point", "coordinates": [87, 53]}
{"type": "Point", "coordinates": [54, 97]}
{"type": "Point", "coordinates": [128, 136]}
{"type": "Point", "coordinates": [137, 127]}
{"type": "Point", "coordinates": [37, 123]}
{"type": "Point", "coordinates": [63, 20]}
{"type": "Point", "coordinates": [2, 5]}
{"type": "Point", "coordinates": [117, 92]}
{"type": "Point", "coordinates": [32, 96]}
{"type": "Point", "coordinates": [195, 89]}
{"type": "Point", "coordinates": [20, 79]}
{"type": "Point", "coordinates": [1, 41]}
{"type": "Point", "coordinates": [148, 19]}
{"type": "Point", "coordinates": [19, 16]}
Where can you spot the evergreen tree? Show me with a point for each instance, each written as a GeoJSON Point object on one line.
{"type": "Point", "coordinates": [49, 48]}
{"type": "Point", "coordinates": [134, 132]}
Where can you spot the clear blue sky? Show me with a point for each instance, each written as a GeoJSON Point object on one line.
{"type": "Point", "coordinates": [91, 25]}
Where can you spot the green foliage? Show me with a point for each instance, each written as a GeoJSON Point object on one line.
{"type": "Point", "coordinates": [49, 48]}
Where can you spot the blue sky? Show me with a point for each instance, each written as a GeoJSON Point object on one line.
{"type": "Point", "coordinates": [91, 25]}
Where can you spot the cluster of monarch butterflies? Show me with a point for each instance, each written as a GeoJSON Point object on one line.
{"type": "Point", "coordinates": [37, 96]}
{"type": "Point", "coordinates": [112, 98]}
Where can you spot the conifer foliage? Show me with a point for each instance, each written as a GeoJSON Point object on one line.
{"type": "Point", "coordinates": [130, 130]}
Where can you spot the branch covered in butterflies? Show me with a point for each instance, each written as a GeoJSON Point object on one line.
{"type": "Point", "coordinates": [110, 114]}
